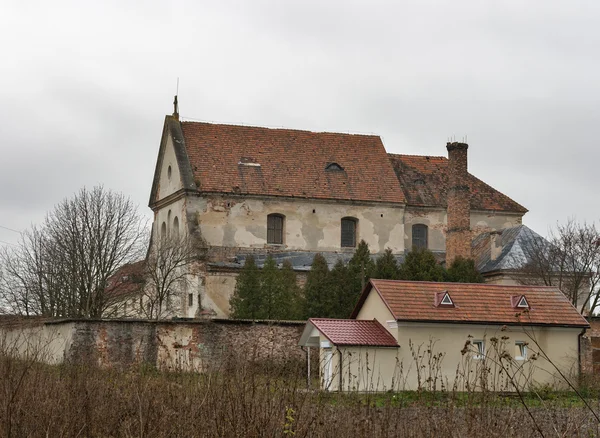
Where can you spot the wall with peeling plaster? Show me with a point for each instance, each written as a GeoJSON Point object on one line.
{"type": "Point", "coordinates": [167, 345]}
{"type": "Point", "coordinates": [238, 221]}
{"type": "Point", "coordinates": [436, 221]}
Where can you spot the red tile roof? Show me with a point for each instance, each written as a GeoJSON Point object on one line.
{"type": "Point", "coordinates": [354, 332]}
{"type": "Point", "coordinates": [424, 181]}
{"type": "Point", "coordinates": [285, 162]}
{"type": "Point", "coordinates": [128, 280]}
{"type": "Point", "coordinates": [474, 303]}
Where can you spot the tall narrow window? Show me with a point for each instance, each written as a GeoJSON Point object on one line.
{"type": "Point", "coordinates": [348, 232]}
{"type": "Point", "coordinates": [163, 231]}
{"type": "Point", "coordinates": [419, 236]}
{"type": "Point", "coordinates": [479, 347]}
{"type": "Point", "coordinates": [176, 227]}
{"type": "Point", "coordinates": [275, 229]}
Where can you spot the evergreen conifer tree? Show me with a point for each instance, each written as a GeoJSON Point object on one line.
{"type": "Point", "coordinates": [420, 265]}
{"type": "Point", "coordinates": [342, 294]}
{"type": "Point", "coordinates": [360, 270]}
{"type": "Point", "coordinates": [292, 300]}
{"type": "Point", "coordinates": [386, 266]}
{"type": "Point", "coordinates": [271, 291]}
{"type": "Point", "coordinates": [464, 271]}
{"type": "Point", "coordinates": [246, 300]}
{"type": "Point", "coordinates": [316, 304]}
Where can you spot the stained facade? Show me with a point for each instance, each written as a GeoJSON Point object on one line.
{"type": "Point", "coordinates": [248, 190]}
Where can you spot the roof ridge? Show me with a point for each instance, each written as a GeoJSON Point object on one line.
{"type": "Point", "coordinates": [419, 156]}
{"type": "Point", "coordinates": [277, 128]}
{"type": "Point", "coordinates": [487, 285]}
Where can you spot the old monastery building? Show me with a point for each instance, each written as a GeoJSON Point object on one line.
{"type": "Point", "coordinates": [240, 190]}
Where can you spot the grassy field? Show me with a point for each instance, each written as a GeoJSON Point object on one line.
{"type": "Point", "coordinates": [263, 400]}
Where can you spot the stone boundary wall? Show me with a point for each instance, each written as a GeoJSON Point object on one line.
{"type": "Point", "coordinates": [178, 345]}
{"type": "Point", "coordinates": [589, 348]}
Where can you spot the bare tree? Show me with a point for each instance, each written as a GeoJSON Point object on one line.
{"type": "Point", "coordinates": [62, 267]}
{"type": "Point", "coordinates": [167, 274]}
{"type": "Point", "coordinates": [569, 259]}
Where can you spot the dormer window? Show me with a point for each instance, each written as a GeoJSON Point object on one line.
{"type": "Point", "coordinates": [442, 299]}
{"type": "Point", "coordinates": [520, 302]}
{"type": "Point", "coordinates": [334, 167]}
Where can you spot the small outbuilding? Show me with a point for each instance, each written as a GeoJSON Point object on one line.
{"type": "Point", "coordinates": [408, 335]}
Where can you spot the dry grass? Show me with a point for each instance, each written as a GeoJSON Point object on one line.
{"type": "Point", "coordinates": [254, 400]}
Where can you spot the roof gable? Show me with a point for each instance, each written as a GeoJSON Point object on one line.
{"type": "Point", "coordinates": [285, 162]}
{"type": "Point", "coordinates": [474, 303]}
{"type": "Point", "coordinates": [424, 182]}
{"type": "Point", "coordinates": [172, 134]}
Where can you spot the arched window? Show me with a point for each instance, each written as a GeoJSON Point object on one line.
{"type": "Point", "coordinates": [176, 227]}
{"type": "Point", "coordinates": [419, 236]}
{"type": "Point", "coordinates": [163, 231]}
{"type": "Point", "coordinates": [275, 229]}
{"type": "Point", "coordinates": [349, 232]}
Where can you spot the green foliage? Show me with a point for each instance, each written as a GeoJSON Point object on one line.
{"type": "Point", "coordinates": [343, 297]}
{"type": "Point", "coordinates": [464, 271]}
{"type": "Point", "coordinates": [270, 290]}
{"type": "Point", "coordinates": [386, 266]}
{"type": "Point", "coordinates": [420, 265]}
{"type": "Point", "coordinates": [246, 300]}
{"type": "Point", "coordinates": [267, 293]}
{"type": "Point", "coordinates": [360, 267]}
{"type": "Point", "coordinates": [292, 298]}
{"type": "Point", "coordinates": [317, 302]}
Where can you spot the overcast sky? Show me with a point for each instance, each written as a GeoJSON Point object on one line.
{"type": "Point", "coordinates": [85, 86]}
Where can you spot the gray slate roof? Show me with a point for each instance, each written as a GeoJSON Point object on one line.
{"type": "Point", "coordinates": [515, 244]}
{"type": "Point", "coordinates": [301, 260]}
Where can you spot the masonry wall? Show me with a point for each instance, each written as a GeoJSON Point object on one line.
{"type": "Point", "coordinates": [437, 224]}
{"type": "Point", "coordinates": [314, 225]}
{"type": "Point", "coordinates": [168, 345]}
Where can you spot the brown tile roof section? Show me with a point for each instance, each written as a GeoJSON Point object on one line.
{"type": "Point", "coordinates": [127, 281]}
{"type": "Point", "coordinates": [292, 163]}
{"type": "Point", "coordinates": [424, 181]}
{"type": "Point", "coordinates": [354, 332]}
{"type": "Point", "coordinates": [475, 303]}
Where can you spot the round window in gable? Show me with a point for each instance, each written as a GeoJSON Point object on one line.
{"type": "Point", "coordinates": [169, 172]}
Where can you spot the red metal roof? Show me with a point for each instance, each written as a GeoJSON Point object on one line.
{"type": "Point", "coordinates": [474, 303]}
{"type": "Point", "coordinates": [354, 332]}
{"type": "Point", "coordinates": [285, 162]}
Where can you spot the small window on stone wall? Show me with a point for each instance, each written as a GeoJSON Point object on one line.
{"type": "Point", "coordinates": [348, 232]}
{"type": "Point", "coordinates": [275, 229]}
{"type": "Point", "coordinates": [419, 236]}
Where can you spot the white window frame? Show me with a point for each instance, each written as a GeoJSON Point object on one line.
{"type": "Point", "coordinates": [479, 345]}
{"type": "Point", "coordinates": [523, 350]}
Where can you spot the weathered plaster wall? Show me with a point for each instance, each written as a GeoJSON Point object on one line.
{"type": "Point", "coordinates": [237, 221]}
{"type": "Point", "coordinates": [437, 219]}
{"type": "Point", "coordinates": [169, 185]}
{"type": "Point", "coordinates": [167, 215]}
{"type": "Point", "coordinates": [169, 345]}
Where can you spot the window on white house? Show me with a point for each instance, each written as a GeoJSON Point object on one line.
{"type": "Point", "coordinates": [419, 236]}
{"type": "Point", "coordinates": [523, 303]}
{"type": "Point", "coordinates": [447, 300]}
{"type": "Point", "coordinates": [479, 347]}
{"type": "Point", "coordinates": [348, 232]}
{"type": "Point", "coordinates": [275, 229]}
{"type": "Point", "coordinates": [190, 300]}
{"type": "Point", "coordinates": [520, 350]}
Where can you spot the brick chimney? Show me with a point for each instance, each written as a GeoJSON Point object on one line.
{"type": "Point", "coordinates": [458, 236]}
